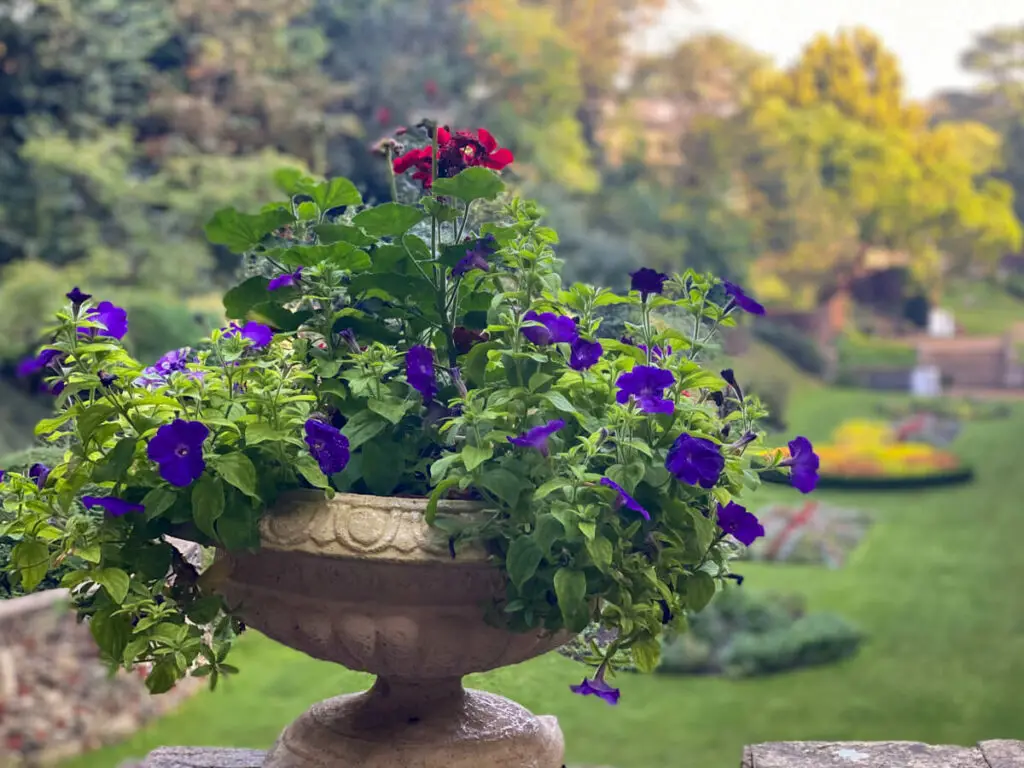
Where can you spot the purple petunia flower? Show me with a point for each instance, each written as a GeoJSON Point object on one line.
{"type": "Point", "coordinates": [177, 450]}
{"type": "Point", "coordinates": [584, 354]}
{"type": "Point", "coordinates": [624, 499]}
{"type": "Point", "coordinates": [113, 318]}
{"type": "Point", "coordinates": [737, 522]}
{"type": "Point", "coordinates": [803, 463]}
{"type": "Point", "coordinates": [476, 257]}
{"type": "Point", "coordinates": [33, 365]}
{"type": "Point", "coordinates": [739, 298]}
{"type": "Point", "coordinates": [327, 445]}
{"type": "Point", "coordinates": [553, 329]}
{"type": "Point", "coordinates": [2, 473]}
{"type": "Point", "coordinates": [171, 362]}
{"type": "Point", "coordinates": [597, 687]}
{"type": "Point", "coordinates": [260, 335]}
{"type": "Point", "coordinates": [419, 371]}
{"type": "Point", "coordinates": [537, 437]}
{"type": "Point", "coordinates": [115, 506]}
{"type": "Point", "coordinates": [107, 379]}
{"type": "Point", "coordinates": [286, 280]}
{"type": "Point", "coordinates": [695, 461]}
{"type": "Point", "coordinates": [646, 384]}
{"type": "Point", "coordinates": [39, 473]}
{"type": "Point", "coordinates": [647, 281]}
{"type": "Point", "coordinates": [76, 297]}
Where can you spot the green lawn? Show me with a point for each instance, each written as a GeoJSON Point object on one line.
{"type": "Point", "coordinates": [982, 308]}
{"type": "Point", "coordinates": [937, 586]}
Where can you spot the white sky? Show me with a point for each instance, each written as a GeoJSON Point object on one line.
{"type": "Point", "coordinates": [927, 35]}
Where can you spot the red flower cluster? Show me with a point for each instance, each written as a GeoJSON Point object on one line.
{"type": "Point", "coordinates": [454, 153]}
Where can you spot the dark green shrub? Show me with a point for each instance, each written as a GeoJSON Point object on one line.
{"type": "Point", "coordinates": [156, 325]}
{"type": "Point", "coordinates": [794, 345]}
{"type": "Point", "coordinates": [811, 640]}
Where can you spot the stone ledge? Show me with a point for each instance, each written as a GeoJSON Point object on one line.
{"type": "Point", "coordinates": [883, 754]}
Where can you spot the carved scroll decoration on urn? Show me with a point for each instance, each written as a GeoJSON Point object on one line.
{"type": "Point", "coordinates": [367, 527]}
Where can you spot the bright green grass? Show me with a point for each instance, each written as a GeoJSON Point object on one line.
{"type": "Point", "coordinates": [983, 309]}
{"type": "Point", "coordinates": [937, 584]}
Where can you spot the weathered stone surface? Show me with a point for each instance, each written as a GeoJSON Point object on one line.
{"type": "Point", "coordinates": [883, 754]}
{"type": "Point", "coordinates": [212, 757]}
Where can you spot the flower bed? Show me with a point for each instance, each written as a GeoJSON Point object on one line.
{"type": "Point", "coordinates": [813, 533]}
{"type": "Point", "coordinates": [869, 454]}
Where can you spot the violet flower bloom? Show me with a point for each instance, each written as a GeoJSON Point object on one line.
{"type": "Point", "coordinates": [585, 354]}
{"type": "Point", "coordinates": [476, 257]}
{"type": "Point", "coordinates": [113, 318]}
{"type": "Point", "coordinates": [159, 372]}
{"type": "Point", "coordinates": [625, 500]}
{"type": "Point", "coordinates": [647, 281]}
{"type": "Point", "coordinates": [739, 298]}
{"type": "Point", "coordinates": [646, 384]}
{"type": "Point", "coordinates": [348, 336]}
{"type": "Point", "coordinates": [2, 473]}
{"type": "Point", "coordinates": [177, 450]}
{"type": "Point", "coordinates": [286, 280]}
{"type": "Point", "coordinates": [76, 297]}
{"type": "Point", "coordinates": [39, 473]}
{"type": "Point", "coordinates": [260, 335]}
{"type": "Point", "coordinates": [327, 445]}
{"type": "Point", "coordinates": [803, 463]}
{"type": "Point", "coordinates": [695, 461]}
{"type": "Point", "coordinates": [107, 379]}
{"type": "Point", "coordinates": [115, 506]}
{"type": "Point", "coordinates": [597, 687]}
{"type": "Point", "coordinates": [537, 437]}
{"type": "Point", "coordinates": [740, 524]}
{"type": "Point", "coordinates": [419, 371]}
{"type": "Point", "coordinates": [32, 365]}
{"type": "Point", "coordinates": [553, 329]}
{"type": "Point", "coordinates": [730, 378]}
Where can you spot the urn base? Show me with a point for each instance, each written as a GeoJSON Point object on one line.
{"type": "Point", "coordinates": [421, 724]}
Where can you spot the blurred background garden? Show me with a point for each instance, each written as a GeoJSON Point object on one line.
{"type": "Point", "coordinates": [882, 227]}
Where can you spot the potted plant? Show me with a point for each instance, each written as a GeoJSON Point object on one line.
{"type": "Point", "coordinates": [414, 454]}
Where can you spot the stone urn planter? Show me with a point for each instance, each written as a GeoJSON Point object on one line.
{"type": "Point", "coordinates": [363, 581]}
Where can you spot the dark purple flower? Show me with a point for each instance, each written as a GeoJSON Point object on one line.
{"type": "Point", "coordinates": [625, 500]}
{"type": "Point", "coordinates": [597, 687]}
{"type": "Point", "coordinates": [39, 473]}
{"type": "Point", "coordinates": [695, 461]}
{"type": "Point", "coordinates": [349, 337]}
{"type": "Point", "coordinates": [803, 463]}
{"type": "Point", "coordinates": [736, 521]}
{"type": "Point", "coordinates": [107, 379]}
{"type": "Point", "coordinates": [584, 354]}
{"type": "Point", "coordinates": [647, 281]}
{"type": "Point", "coordinates": [419, 371]}
{"type": "Point", "coordinates": [115, 506]}
{"type": "Point", "coordinates": [740, 299]}
{"type": "Point", "coordinates": [259, 334]}
{"type": "Point", "coordinates": [33, 365]}
{"type": "Point", "coordinates": [466, 338]}
{"type": "Point", "coordinates": [537, 437]}
{"type": "Point", "coordinates": [327, 445]}
{"type": "Point", "coordinates": [76, 297]}
{"type": "Point", "coordinates": [2, 473]}
{"type": "Point", "coordinates": [730, 379]}
{"type": "Point", "coordinates": [113, 318]}
{"type": "Point", "coordinates": [54, 388]}
{"type": "Point", "coordinates": [286, 280]}
{"type": "Point", "coordinates": [177, 450]}
{"type": "Point", "coordinates": [476, 257]}
{"type": "Point", "coordinates": [646, 384]}
{"type": "Point", "coordinates": [553, 329]}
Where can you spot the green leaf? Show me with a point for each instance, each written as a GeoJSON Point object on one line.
{"type": "Point", "coordinates": [238, 470]}
{"type": "Point", "coordinates": [240, 232]}
{"type": "Point", "coordinates": [389, 219]}
{"type": "Point", "coordinates": [362, 428]}
{"type": "Point", "coordinates": [646, 653]}
{"type": "Point", "coordinates": [522, 560]}
{"type": "Point", "coordinates": [162, 677]}
{"type": "Point", "coordinates": [392, 409]}
{"type": "Point", "coordinates": [571, 591]}
{"type": "Point", "coordinates": [334, 194]}
{"type": "Point", "coordinates": [588, 528]}
{"type": "Point", "coordinates": [627, 475]}
{"type": "Point", "coordinates": [382, 469]}
{"type": "Point", "coordinates": [158, 501]}
{"type": "Point", "coordinates": [475, 455]}
{"type": "Point", "coordinates": [439, 210]}
{"type": "Point", "coordinates": [115, 581]}
{"type": "Point", "coordinates": [308, 211]}
{"type": "Point", "coordinates": [550, 487]}
{"type": "Point", "coordinates": [559, 401]}
{"type": "Point", "coordinates": [435, 496]}
{"type": "Point", "coordinates": [503, 484]}
{"type": "Point", "coordinates": [111, 633]}
{"type": "Point", "coordinates": [471, 184]}
{"type": "Point", "coordinates": [328, 234]}
{"type": "Point", "coordinates": [277, 317]}
{"type": "Point", "coordinates": [91, 418]}
{"type": "Point", "coordinates": [207, 503]}
{"type": "Point", "coordinates": [440, 468]}
{"type": "Point", "coordinates": [240, 299]}
{"type": "Point", "coordinates": [261, 432]}
{"type": "Point", "coordinates": [32, 559]}
{"type": "Point", "coordinates": [238, 527]}
{"type": "Point", "coordinates": [205, 609]}
{"type": "Point", "coordinates": [476, 362]}
{"type": "Point", "coordinates": [549, 529]}
{"type": "Point", "coordinates": [310, 470]}
{"type": "Point", "coordinates": [600, 550]}
{"type": "Point", "coordinates": [340, 255]}
{"type": "Point", "coordinates": [700, 588]}
{"type": "Point", "coordinates": [117, 462]}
